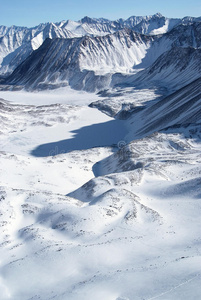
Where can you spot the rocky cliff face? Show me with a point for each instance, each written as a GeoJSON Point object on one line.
{"type": "Point", "coordinates": [17, 43]}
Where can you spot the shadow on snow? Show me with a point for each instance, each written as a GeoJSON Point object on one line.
{"type": "Point", "coordinates": [96, 135]}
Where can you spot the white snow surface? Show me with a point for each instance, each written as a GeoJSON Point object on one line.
{"type": "Point", "coordinates": [113, 55]}
{"type": "Point", "coordinates": [91, 222]}
{"type": "Point", "coordinates": [64, 95]}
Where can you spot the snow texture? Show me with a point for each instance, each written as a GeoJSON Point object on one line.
{"type": "Point", "coordinates": [100, 193]}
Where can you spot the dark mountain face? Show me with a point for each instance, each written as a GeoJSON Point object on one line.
{"type": "Point", "coordinates": [17, 43]}
{"type": "Point", "coordinates": [91, 63]}
{"type": "Point", "coordinates": [180, 109]}
{"type": "Point", "coordinates": [66, 60]}
{"type": "Point", "coordinates": [187, 35]}
{"type": "Point", "coordinates": [170, 59]}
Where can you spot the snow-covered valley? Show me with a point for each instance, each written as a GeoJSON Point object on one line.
{"type": "Point", "coordinates": [100, 192]}
{"type": "Point", "coordinates": [87, 211]}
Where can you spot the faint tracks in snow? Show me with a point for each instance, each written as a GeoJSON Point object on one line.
{"type": "Point", "coordinates": [174, 288]}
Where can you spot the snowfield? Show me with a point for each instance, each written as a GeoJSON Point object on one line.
{"type": "Point", "coordinates": [87, 211]}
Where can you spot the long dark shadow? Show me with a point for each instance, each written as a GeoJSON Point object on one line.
{"type": "Point", "coordinates": [97, 135]}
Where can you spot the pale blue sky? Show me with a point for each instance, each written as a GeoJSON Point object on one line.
{"type": "Point", "coordinates": [30, 13]}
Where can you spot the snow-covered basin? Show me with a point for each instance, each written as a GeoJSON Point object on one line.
{"type": "Point", "coordinates": [138, 239]}
{"type": "Point", "coordinates": [58, 147]}
{"type": "Point", "coordinates": [86, 127]}
{"type": "Point", "coordinates": [64, 95]}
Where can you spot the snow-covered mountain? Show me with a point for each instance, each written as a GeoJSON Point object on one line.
{"type": "Point", "coordinates": [179, 109]}
{"type": "Point", "coordinates": [80, 60]}
{"type": "Point", "coordinates": [125, 57]}
{"type": "Point", "coordinates": [17, 43]}
{"type": "Point", "coordinates": [103, 190]}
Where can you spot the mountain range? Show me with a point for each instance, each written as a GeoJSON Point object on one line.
{"type": "Point", "coordinates": [95, 54]}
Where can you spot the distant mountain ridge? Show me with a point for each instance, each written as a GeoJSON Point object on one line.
{"type": "Point", "coordinates": [82, 62]}
{"type": "Point", "coordinates": [124, 57]}
{"type": "Point", "coordinates": [17, 43]}
{"type": "Point", "coordinates": [95, 54]}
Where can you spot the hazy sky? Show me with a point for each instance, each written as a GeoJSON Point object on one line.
{"type": "Point", "coordinates": [32, 12]}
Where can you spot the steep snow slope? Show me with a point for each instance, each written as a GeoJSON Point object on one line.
{"type": "Point", "coordinates": [72, 60]}
{"type": "Point", "coordinates": [181, 64]}
{"type": "Point", "coordinates": [179, 109]}
{"type": "Point", "coordinates": [171, 62]}
{"type": "Point", "coordinates": [17, 43]}
{"type": "Point", "coordinates": [174, 68]}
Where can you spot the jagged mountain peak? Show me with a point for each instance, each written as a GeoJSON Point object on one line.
{"type": "Point", "coordinates": [28, 39]}
{"type": "Point", "coordinates": [158, 15]}
{"type": "Point", "coordinates": [90, 20]}
{"type": "Point", "coordinates": [90, 62]}
{"type": "Point", "coordinates": [87, 20]}
{"type": "Point", "coordinates": [133, 37]}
